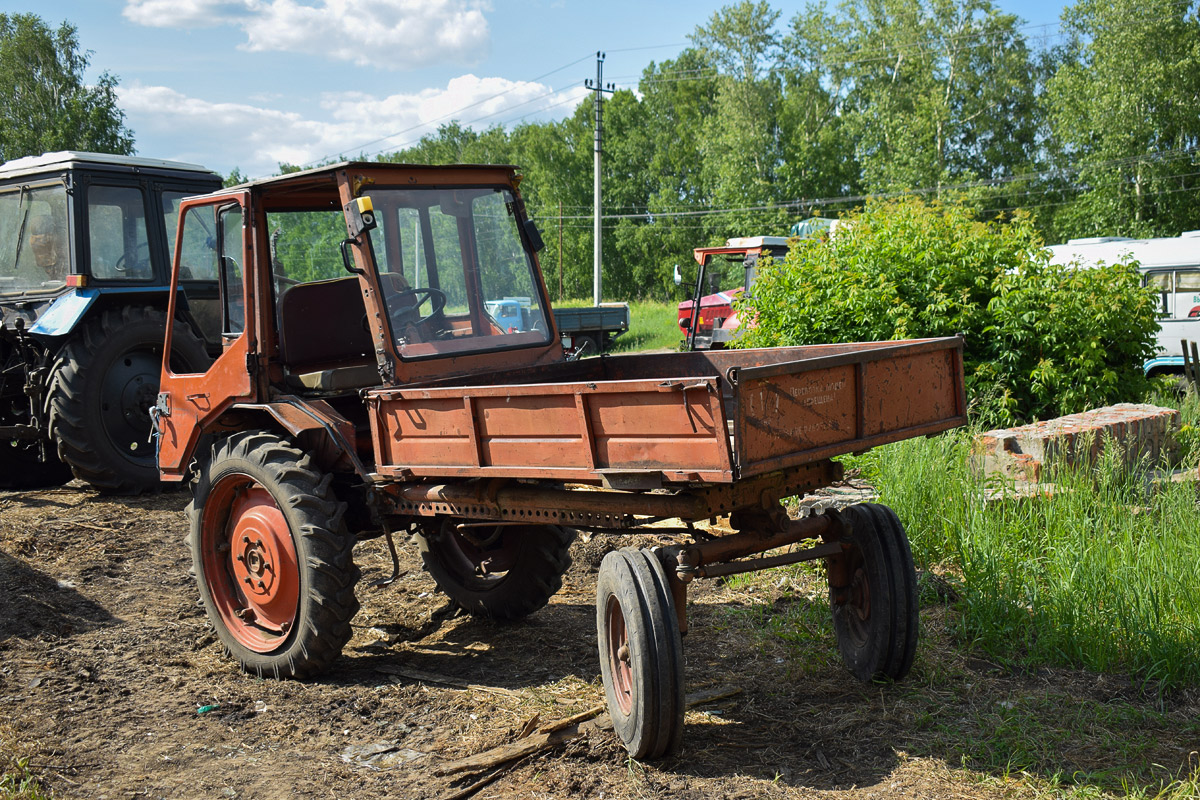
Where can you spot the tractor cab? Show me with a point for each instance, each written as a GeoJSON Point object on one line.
{"type": "Point", "coordinates": [708, 322]}
{"type": "Point", "coordinates": [359, 276]}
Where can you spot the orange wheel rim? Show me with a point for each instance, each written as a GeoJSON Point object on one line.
{"type": "Point", "coordinates": [250, 564]}
{"type": "Point", "coordinates": [619, 657]}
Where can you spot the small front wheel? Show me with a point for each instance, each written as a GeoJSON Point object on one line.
{"type": "Point", "coordinates": [272, 557]}
{"type": "Point", "coordinates": [875, 613]}
{"type": "Point", "coordinates": [641, 653]}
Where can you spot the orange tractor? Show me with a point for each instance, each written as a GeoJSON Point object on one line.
{"type": "Point", "coordinates": [365, 390]}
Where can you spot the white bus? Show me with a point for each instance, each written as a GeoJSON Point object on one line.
{"type": "Point", "coordinates": [1172, 266]}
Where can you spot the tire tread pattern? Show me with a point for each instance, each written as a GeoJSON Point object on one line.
{"type": "Point", "coordinates": [329, 603]}
{"type": "Point", "coordinates": [654, 726]}
{"type": "Point", "coordinates": [536, 577]}
{"type": "Point", "coordinates": [893, 627]}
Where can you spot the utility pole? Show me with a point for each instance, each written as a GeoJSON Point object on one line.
{"type": "Point", "coordinates": [599, 88]}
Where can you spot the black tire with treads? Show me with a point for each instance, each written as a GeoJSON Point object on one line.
{"type": "Point", "coordinates": [527, 564]}
{"type": "Point", "coordinates": [641, 653]}
{"type": "Point", "coordinates": [316, 583]}
{"type": "Point", "coordinates": [877, 624]}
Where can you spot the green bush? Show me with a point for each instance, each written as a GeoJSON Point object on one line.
{"type": "Point", "coordinates": [1041, 340]}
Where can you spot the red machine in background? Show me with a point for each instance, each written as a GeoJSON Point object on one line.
{"type": "Point", "coordinates": [709, 322]}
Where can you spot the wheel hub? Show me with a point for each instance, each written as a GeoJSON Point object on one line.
{"type": "Point", "coordinates": [130, 388]}
{"type": "Point", "coordinates": [860, 594]}
{"type": "Point", "coordinates": [619, 656]}
{"type": "Point", "coordinates": [263, 552]}
{"type": "Point", "coordinates": [481, 555]}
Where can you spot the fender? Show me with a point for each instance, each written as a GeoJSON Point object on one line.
{"type": "Point", "coordinates": [68, 310]}
{"type": "Point", "coordinates": [64, 313]}
{"type": "Point", "coordinates": [1163, 364]}
{"type": "Point", "coordinates": [335, 444]}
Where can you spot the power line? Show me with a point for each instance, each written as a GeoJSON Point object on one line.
{"type": "Point", "coordinates": [801, 203]}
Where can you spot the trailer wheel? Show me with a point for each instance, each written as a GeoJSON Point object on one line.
{"type": "Point", "coordinates": [641, 654]}
{"type": "Point", "coordinates": [875, 616]}
{"type": "Point", "coordinates": [502, 572]}
{"type": "Point", "coordinates": [101, 388]}
{"type": "Point", "coordinates": [272, 557]}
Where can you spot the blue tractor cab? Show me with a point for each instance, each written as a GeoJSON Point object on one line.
{"type": "Point", "coordinates": [85, 250]}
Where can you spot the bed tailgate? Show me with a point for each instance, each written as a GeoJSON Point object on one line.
{"type": "Point", "coordinates": [815, 408]}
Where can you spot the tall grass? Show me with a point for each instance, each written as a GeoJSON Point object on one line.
{"type": "Point", "coordinates": [1103, 573]}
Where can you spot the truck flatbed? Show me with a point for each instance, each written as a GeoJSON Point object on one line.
{"type": "Point", "coordinates": [672, 418]}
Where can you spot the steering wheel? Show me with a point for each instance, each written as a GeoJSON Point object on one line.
{"type": "Point", "coordinates": [134, 263]}
{"type": "Point", "coordinates": [404, 310]}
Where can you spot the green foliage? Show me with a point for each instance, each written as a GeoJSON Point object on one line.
{"type": "Point", "coordinates": [1122, 107]}
{"type": "Point", "coordinates": [1068, 339]}
{"type": "Point", "coordinates": [45, 104]}
{"type": "Point", "coordinates": [930, 92]}
{"type": "Point", "coordinates": [1041, 340]}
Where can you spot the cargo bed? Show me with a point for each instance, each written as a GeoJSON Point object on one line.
{"type": "Point", "coordinates": [675, 418]}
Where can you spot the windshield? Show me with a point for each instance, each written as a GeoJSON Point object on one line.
{"type": "Point", "coordinates": [34, 248]}
{"type": "Point", "coordinates": [456, 277]}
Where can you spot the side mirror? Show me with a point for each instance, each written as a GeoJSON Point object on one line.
{"type": "Point", "coordinates": [535, 236]}
{"type": "Point", "coordinates": [678, 276]}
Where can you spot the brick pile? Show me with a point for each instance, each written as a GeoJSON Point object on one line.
{"type": "Point", "coordinates": [1141, 431]}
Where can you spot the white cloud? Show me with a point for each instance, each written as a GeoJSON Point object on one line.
{"type": "Point", "coordinates": [392, 34]}
{"type": "Point", "coordinates": [186, 13]}
{"type": "Point", "coordinates": [257, 138]}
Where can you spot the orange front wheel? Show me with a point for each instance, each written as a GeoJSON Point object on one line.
{"type": "Point", "coordinates": [272, 556]}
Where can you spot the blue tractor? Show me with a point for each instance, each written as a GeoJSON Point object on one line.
{"type": "Point", "coordinates": [85, 261]}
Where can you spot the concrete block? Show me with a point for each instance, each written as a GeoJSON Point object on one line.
{"type": "Point", "coordinates": [1142, 431]}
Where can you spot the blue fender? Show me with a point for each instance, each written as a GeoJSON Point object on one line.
{"type": "Point", "coordinates": [1163, 364]}
{"type": "Point", "coordinates": [68, 310]}
{"type": "Point", "coordinates": [65, 312]}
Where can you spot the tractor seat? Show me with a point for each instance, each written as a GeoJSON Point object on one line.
{"type": "Point", "coordinates": [324, 342]}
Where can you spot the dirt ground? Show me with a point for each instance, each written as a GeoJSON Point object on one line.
{"type": "Point", "coordinates": [113, 686]}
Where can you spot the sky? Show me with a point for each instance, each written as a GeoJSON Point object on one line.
{"type": "Point", "coordinates": [249, 84]}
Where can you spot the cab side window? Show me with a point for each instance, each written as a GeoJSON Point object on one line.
{"type": "Point", "coordinates": [1187, 293]}
{"type": "Point", "coordinates": [117, 240]}
{"type": "Point", "coordinates": [1178, 291]}
{"type": "Point", "coordinates": [198, 262]}
{"type": "Point", "coordinates": [229, 268]}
